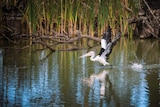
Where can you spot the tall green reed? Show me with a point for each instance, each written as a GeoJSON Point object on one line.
{"type": "Point", "coordinates": [67, 16]}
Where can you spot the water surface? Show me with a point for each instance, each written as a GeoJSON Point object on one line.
{"type": "Point", "coordinates": [41, 78]}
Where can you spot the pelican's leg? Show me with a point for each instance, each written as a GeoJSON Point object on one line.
{"type": "Point", "coordinates": [111, 66]}
{"type": "Point", "coordinates": [103, 65]}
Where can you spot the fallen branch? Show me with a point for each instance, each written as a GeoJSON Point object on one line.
{"type": "Point", "coordinates": [62, 38]}
{"type": "Point", "coordinates": [26, 47]}
{"type": "Point", "coordinates": [150, 10]}
{"type": "Point", "coordinates": [43, 59]}
{"type": "Point", "coordinates": [42, 43]}
{"type": "Point", "coordinates": [77, 38]}
{"type": "Point", "coordinates": [17, 48]}
{"type": "Point", "coordinates": [8, 39]}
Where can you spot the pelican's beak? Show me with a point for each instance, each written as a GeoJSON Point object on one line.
{"type": "Point", "coordinates": [85, 55]}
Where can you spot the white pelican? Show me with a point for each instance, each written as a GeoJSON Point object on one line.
{"type": "Point", "coordinates": [99, 58]}
{"type": "Point", "coordinates": [106, 49]}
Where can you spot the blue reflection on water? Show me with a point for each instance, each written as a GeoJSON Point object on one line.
{"type": "Point", "coordinates": [55, 82]}
{"type": "Point", "coordinates": [139, 95]}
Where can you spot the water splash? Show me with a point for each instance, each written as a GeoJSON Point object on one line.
{"type": "Point", "coordinates": [137, 66]}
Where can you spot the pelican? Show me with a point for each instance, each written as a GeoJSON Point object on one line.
{"type": "Point", "coordinates": [99, 58]}
{"type": "Point", "coordinates": [106, 49]}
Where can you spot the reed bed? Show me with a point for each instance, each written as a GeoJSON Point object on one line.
{"type": "Point", "coordinates": [67, 16]}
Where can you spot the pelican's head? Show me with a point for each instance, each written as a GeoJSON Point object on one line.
{"type": "Point", "coordinates": [91, 53]}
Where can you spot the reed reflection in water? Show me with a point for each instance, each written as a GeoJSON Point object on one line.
{"type": "Point", "coordinates": [62, 79]}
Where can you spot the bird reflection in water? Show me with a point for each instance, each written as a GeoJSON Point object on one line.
{"type": "Point", "coordinates": [103, 79]}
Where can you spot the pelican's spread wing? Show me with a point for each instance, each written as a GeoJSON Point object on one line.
{"type": "Point", "coordinates": [110, 46]}
{"type": "Point", "coordinates": [107, 50]}
{"type": "Point", "coordinates": [107, 35]}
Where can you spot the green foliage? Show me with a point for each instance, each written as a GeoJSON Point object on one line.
{"type": "Point", "coordinates": [67, 16]}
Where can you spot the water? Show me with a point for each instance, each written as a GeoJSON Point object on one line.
{"type": "Point", "coordinates": [40, 78]}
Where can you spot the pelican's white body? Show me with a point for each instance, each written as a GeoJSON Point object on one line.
{"type": "Point", "coordinates": [101, 59]}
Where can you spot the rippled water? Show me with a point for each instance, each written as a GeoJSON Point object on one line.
{"type": "Point", "coordinates": [40, 78]}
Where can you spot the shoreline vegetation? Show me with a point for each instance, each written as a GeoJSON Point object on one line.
{"type": "Point", "coordinates": [67, 21]}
